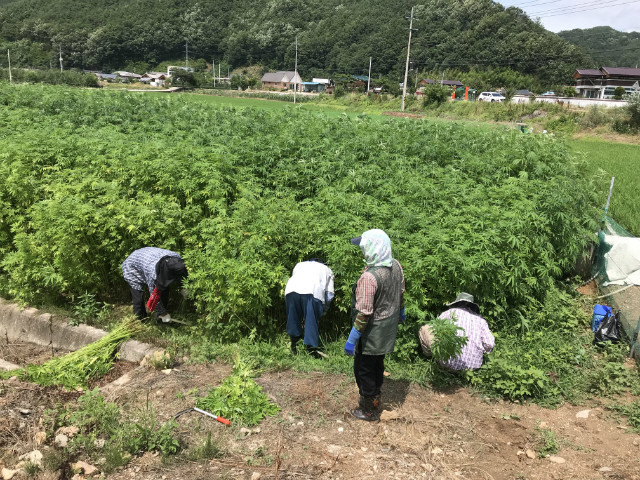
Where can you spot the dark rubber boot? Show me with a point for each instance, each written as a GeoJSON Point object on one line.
{"type": "Point", "coordinates": [294, 347]}
{"type": "Point", "coordinates": [377, 403]}
{"type": "Point", "coordinates": [315, 352]}
{"type": "Point", "coordinates": [366, 410]}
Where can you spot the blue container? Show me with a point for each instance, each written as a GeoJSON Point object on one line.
{"type": "Point", "coordinates": [599, 312]}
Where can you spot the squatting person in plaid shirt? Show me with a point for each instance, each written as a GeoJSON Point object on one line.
{"type": "Point", "coordinates": [466, 315]}
{"type": "Point", "coordinates": [156, 268]}
{"type": "Point", "coordinates": [378, 308]}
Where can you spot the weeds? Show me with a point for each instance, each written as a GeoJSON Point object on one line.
{"type": "Point", "coordinates": [546, 441]}
{"type": "Point", "coordinates": [208, 450]}
{"type": "Point", "coordinates": [631, 411]}
{"type": "Point", "coordinates": [105, 433]}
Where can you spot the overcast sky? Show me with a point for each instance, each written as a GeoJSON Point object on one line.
{"type": "Point", "coordinates": [557, 15]}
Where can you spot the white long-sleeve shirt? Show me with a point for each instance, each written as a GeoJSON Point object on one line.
{"type": "Point", "coordinates": [312, 278]}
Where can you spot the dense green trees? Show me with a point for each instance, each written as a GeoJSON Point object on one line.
{"type": "Point", "coordinates": [333, 36]}
{"type": "Point", "coordinates": [606, 46]}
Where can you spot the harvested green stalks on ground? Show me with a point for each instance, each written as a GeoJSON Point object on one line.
{"type": "Point", "coordinates": [239, 399]}
{"type": "Point", "coordinates": [77, 368]}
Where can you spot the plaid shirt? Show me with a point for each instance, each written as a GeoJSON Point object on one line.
{"type": "Point", "coordinates": [481, 340]}
{"type": "Point", "coordinates": [140, 267]}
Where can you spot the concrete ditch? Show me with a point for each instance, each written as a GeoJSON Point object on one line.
{"type": "Point", "coordinates": [29, 325]}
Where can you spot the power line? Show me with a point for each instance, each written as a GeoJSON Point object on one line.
{"type": "Point", "coordinates": [579, 8]}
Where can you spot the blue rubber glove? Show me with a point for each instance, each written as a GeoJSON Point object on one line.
{"type": "Point", "coordinates": [402, 316]}
{"type": "Point", "coordinates": [350, 346]}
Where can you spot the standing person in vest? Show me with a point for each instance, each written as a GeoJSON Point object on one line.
{"type": "Point", "coordinates": [378, 308]}
{"type": "Point", "coordinates": [156, 268]}
{"type": "Point", "coordinates": [308, 294]}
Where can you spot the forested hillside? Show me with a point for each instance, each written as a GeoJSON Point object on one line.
{"type": "Point", "coordinates": [334, 36]}
{"type": "Point", "coordinates": [607, 47]}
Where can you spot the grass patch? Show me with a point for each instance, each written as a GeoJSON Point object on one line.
{"type": "Point", "coordinates": [621, 160]}
{"type": "Point", "coordinates": [106, 433]}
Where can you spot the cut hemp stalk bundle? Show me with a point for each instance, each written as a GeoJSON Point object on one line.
{"type": "Point", "coordinates": [76, 368]}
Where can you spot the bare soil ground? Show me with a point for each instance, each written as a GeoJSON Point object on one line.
{"type": "Point", "coordinates": [429, 434]}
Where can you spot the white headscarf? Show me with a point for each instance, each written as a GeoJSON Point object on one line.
{"type": "Point", "coordinates": [376, 248]}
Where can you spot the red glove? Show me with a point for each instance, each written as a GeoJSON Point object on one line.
{"type": "Point", "coordinates": [153, 300]}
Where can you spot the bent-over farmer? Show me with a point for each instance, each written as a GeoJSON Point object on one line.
{"type": "Point", "coordinates": [308, 294]}
{"type": "Point", "coordinates": [156, 268]}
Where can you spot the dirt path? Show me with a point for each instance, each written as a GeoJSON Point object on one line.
{"type": "Point", "coordinates": [439, 435]}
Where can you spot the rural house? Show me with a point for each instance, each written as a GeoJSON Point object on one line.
{"type": "Point", "coordinates": [154, 78]}
{"type": "Point", "coordinates": [127, 75]}
{"type": "Point", "coordinates": [601, 83]}
{"type": "Point", "coordinates": [281, 80]}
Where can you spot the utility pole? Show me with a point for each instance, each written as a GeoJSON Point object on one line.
{"type": "Point", "coordinates": [186, 50]}
{"type": "Point", "coordinates": [9, 57]}
{"type": "Point", "coordinates": [219, 64]}
{"type": "Point", "coordinates": [213, 71]}
{"type": "Point", "coordinates": [406, 68]}
{"type": "Point", "coordinates": [60, 58]}
{"type": "Point", "coordinates": [295, 73]}
{"type": "Point", "coordinates": [369, 77]}
{"type": "Point", "coordinates": [442, 81]}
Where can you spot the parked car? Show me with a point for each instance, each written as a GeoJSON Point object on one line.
{"type": "Point", "coordinates": [490, 97]}
{"type": "Point", "coordinates": [548, 94]}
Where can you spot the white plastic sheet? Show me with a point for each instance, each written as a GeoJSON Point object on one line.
{"type": "Point", "coordinates": [622, 261]}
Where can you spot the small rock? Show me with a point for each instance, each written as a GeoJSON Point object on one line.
{"type": "Point", "coordinates": [34, 457]}
{"type": "Point", "coordinates": [13, 379]}
{"type": "Point", "coordinates": [622, 427]}
{"type": "Point", "coordinates": [84, 467]}
{"type": "Point", "coordinates": [388, 415]}
{"type": "Point", "coordinates": [386, 374]}
{"type": "Point", "coordinates": [543, 424]}
{"type": "Point", "coordinates": [256, 476]}
{"type": "Point", "coordinates": [245, 431]}
{"type": "Point", "coordinates": [437, 451]}
{"type": "Point", "coordinates": [520, 453]}
{"type": "Point", "coordinates": [39, 438]}
{"type": "Point", "coordinates": [334, 449]}
{"type": "Point", "coordinates": [583, 414]}
{"type": "Point", "coordinates": [256, 430]}
{"type": "Point", "coordinates": [300, 424]}
{"type": "Point", "coordinates": [160, 394]}
{"type": "Point", "coordinates": [338, 421]}
{"type": "Point", "coordinates": [167, 371]}
{"type": "Point", "coordinates": [24, 411]}
{"type": "Point", "coordinates": [530, 453]}
{"type": "Point", "coordinates": [68, 431]}
{"type": "Point", "coordinates": [99, 442]}
{"type": "Point", "coordinates": [77, 476]}
{"type": "Point", "coordinates": [8, 474]}
{"type": "Point", "coordinates": [605, 469]}
{"type": "Point", "coordinates": [428, 467]}
{"type": "Point", "coordinates": [554, 459]}
{"type": "Point", "coordinates": [61, 440]}
{"type": "Point", "coordinates": [341, 429]}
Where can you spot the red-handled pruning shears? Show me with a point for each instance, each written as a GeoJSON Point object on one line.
{"type": "Point", "coordinates": [204, 412]}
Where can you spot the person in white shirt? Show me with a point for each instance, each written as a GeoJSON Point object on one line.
{"type": "Point", "coordinates": [308, 294]}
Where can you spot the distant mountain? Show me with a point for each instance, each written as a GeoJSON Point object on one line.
{"type": "Point", "coordinates": [334, 36]}
{"type": "Point", "coordinates": [606, 46]}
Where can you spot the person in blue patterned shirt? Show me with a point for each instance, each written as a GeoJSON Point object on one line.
{"type": "Point", "coordinates": [156, 268]}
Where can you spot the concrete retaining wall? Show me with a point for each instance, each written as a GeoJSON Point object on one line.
{"type": "Point", "coordinates": [29, 325]}
{"type": "Point", "coordinates": [574, 101]}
